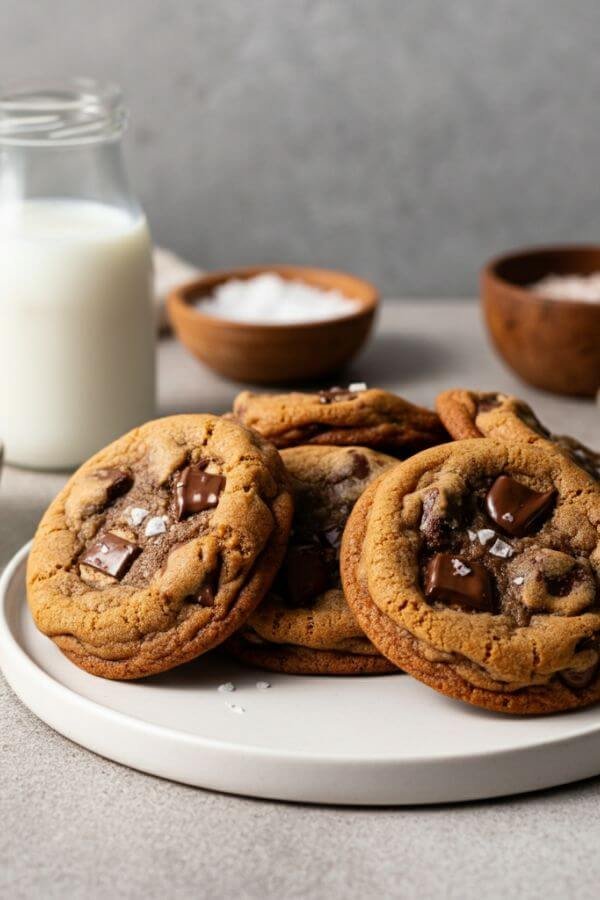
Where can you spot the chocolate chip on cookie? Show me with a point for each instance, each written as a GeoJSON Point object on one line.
{"type": "Point", "coordinates": [197, 490]}
{"type": "Point", "coordinates": [160, 546]}
{"type": "Point", "coordinates": [469, 414]}
{"type": "Point", "coordinates": [342, 417]}
{"type": "Point", "coordinates": [515, 507]}
{"type": "Point", "coordinates": [304, 626]}
{"type": "Point", "coordinates": [110, 554]}
{"type": "Point", "coordinates": [474, 566]}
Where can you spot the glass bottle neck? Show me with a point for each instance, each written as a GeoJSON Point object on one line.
{"type": "Point", "coordinates": [91, 172]}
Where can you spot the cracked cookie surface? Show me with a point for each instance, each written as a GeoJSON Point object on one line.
{"type": "Point", "coordinates": [304, 626]}
{"type": "Point", "coordinates": [160, 546]}
{"type": "Point", "coordinates": [367, 417]}
{"type": "Point", "coordinates": [470, 414]}
{"type": "Point", "coordinates": [474, 566]}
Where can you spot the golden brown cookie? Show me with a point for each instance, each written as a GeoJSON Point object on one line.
{"type": "Point", "coordinates": [357, 416]}
{"type": "Point", "coordinates": [160, 546]}
{"type": "Point", "coordinates": [305, 626]}
{"type": "Point", "coordinates": [469, 414]}
{"type": "Point", "coordinates": [474, 566]}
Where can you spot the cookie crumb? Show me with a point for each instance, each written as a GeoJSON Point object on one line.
{"type": "Point", "coordinates": [235, 708]}
{"type": "Point", "coordinates": [263, 685]}
{"type": "Point", "coordinates": [226, 688]}
{"type": "Point", "coordinates": [501, 548]}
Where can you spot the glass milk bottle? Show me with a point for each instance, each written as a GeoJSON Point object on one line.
{"type": "Point", "coordinates": [77, 353]}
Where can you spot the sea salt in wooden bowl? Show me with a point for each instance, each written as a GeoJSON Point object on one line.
{"type": "Point", "coordinates": [551, 343]}
{"type": "Point", "coordinates": [280, 352]}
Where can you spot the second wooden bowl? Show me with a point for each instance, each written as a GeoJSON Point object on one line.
{"type": "Point", "coordinates": [552, 344]}
{"type": "Point", "coordinates": [268, 354]}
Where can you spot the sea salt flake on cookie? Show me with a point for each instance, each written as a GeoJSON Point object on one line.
{"type": "Point", "coordinates": [501, 548]}
{"type": "Point", "coordinates": [155, 526]}
{"type": "Point", "coordinates": [137, 514]}
{"type": "Point", "coordinates": [485, 535]}
{"type": "Point", "coordinates": [460, 568]}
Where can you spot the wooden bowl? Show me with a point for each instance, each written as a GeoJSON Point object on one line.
{"type": "Point", "coordinates": [552, 344]}
{"type": "Point", "coordinates": [268, 354]}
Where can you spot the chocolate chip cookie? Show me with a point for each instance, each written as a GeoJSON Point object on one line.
{"type": "Point", "coordinates": [474, 566]}
{"type": "Point", "coordinates": [341, 417]}
{"type": "Point", "coordinates": [305, 626]}
{"type": "Point", "coordinates": [160, 546]}
{"type": "Point", "coordinates": [469, 414]}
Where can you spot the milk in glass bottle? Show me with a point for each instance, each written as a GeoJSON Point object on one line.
{"type": "Point", "coordinates": [77, 354]}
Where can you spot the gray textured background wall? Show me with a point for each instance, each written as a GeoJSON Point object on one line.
{"type": "Point", "coordinates": [407, 141]}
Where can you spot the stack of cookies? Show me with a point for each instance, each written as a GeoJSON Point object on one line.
{"type": "Point", "coordinates": [343, 532]}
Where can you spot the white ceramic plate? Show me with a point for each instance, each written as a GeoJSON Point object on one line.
{"type": "Point", "coordinates": [379, 740]}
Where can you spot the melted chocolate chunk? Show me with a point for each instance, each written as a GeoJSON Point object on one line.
{"type": "Point", "coordinates": [197, 490]}
{"type": "Point", "coordinates": [449, 579]}
{"type": "Point", "coordinates": [438, 528]}
{"type": "Point", "coordinates": [119, 482]}
{"type": "Point", "coordinates": [488, 402]}
{"type": "Point", "coordinates": [305, 573]}
{"type": "Point", "coordinates": [205, 596]}
{"type": "Point", "coordinates": [360, 466]}
{"type": "Point", "coordinates": [335, 395]}
{"type": "Point", "coordinates": [581, 679]}
{"type": "Point", "coordinates": [516, 508]}
{"type": "Point", "coordinates": [111, 554]}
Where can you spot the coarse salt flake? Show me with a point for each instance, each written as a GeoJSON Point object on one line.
{"type": "Point", "coordinates": [137, 514]}
{"type": "Point", "coordinates": [518, 580]}
{"type": "Point", "coordinates": [472, 535]}
{"type": "Point", "coordinates": [501, 548]}
{"type": "Point", "coordinates": [508, 517]}
{"type": "Point", "coordinates": [356, 386]}
{"type": "Point", "coordinates": [269, 299]}
{"type": "Point", "coordinates": [235, 708]}
{"type": "Point", "coordinates": [263, 685]}
{"type": "Point", "coordinates": [226, 688]}
{"type": "Point", "coordinates": [485, 535]}
{"type": "Point", "coordinates": [460, 568]}
{"type": "Point", "coordinates": [156, 525]}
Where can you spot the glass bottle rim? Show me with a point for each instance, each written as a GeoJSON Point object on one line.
{"type": "Point", "coordinates": [66, 112]}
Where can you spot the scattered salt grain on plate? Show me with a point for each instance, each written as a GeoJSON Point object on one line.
{"type": "Point", "coordinates": [269, 299]}
{"type": "Point", "coordinates": [263, 685]}
{"type": "Point", "coordinates": [235, 708]}
{"type": "Point", "coordinates": [226, 688]}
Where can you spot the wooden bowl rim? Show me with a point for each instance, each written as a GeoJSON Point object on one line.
{"type": "Point", "coordinates": [179, 299]}
{"type": "Point", "coordinates": [490, 273]}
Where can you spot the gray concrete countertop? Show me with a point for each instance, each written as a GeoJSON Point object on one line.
{"type": "Point", "coordinates": [75, 825]}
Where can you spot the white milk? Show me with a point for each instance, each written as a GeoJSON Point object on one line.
{"type": "Point", "coordinates": [76, 329]}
